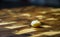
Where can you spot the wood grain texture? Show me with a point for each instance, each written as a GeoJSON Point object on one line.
{"type": "Point", "coordinates": [23, 17]}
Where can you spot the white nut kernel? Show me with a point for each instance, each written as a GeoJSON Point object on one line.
{"type": "Point", "coordinates": [35, 23]}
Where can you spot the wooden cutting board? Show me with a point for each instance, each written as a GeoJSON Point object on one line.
{"type": "Point", "coordinates": [23, 17]}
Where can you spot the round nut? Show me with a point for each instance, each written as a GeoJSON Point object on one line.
{"type": "Point", "coordinates": [35, 23]}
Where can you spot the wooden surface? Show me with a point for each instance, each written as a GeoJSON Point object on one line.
{"type": "Point", "coordinates": [23, 17]}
